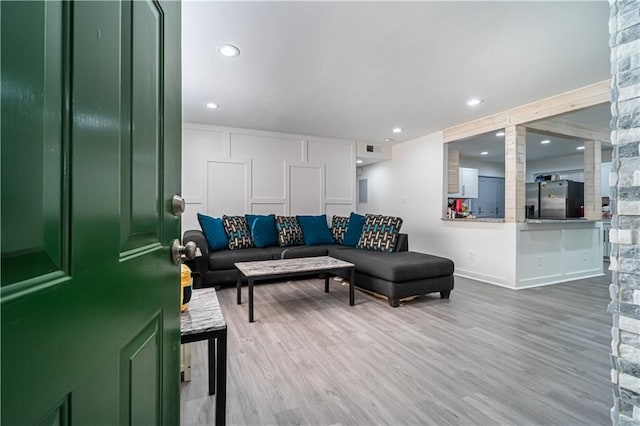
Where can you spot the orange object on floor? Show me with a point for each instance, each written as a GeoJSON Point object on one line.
{"type": "Point", "coordinates": [186, 283]}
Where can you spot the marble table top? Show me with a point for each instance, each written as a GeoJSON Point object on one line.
{"type": "Point", "coordinates": [203, 314]}
{"type": "Point", "coordinates": [263, 268]}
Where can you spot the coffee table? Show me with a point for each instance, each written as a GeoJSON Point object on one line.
{"type": "Point", "coordinates": [203, 320]}
{"type": "Point", "coordinates": [286, 268]}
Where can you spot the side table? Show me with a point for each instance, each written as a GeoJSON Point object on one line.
{"type": "Point", "coordinates": [203, 320]}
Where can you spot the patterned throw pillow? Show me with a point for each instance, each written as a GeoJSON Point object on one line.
{"type": "Point", "coordinates": [339, 227]}
{"type": "Point", "coordinates": [238, 232]}
{"type": "Point", "coordinates": [289, 231]}
{"type": "Point", "coordinates": [380, 233]}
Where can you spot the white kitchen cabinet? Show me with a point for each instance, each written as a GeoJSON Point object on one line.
{"type": "Point", "coordinates": [468, 184]}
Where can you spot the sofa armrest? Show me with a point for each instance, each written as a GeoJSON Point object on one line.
{"type": "Point", "coordinates": [403, 242]}
{"type": "Point", "coordinates": [200, 264]}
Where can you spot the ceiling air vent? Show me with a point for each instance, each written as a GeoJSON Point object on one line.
{"type": "Point", "coordinates": [373, 148]}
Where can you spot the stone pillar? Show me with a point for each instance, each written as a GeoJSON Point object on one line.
{"type": "Point", "coordinates": [515, 157]}
{"type": "Point", "coordinates": [592, 193]}
{"type": "Point", "coordinates": [624, 27]}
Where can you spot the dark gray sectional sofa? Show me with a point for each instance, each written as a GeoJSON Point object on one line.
{"type": "Point", "coordinates": [396, 275]}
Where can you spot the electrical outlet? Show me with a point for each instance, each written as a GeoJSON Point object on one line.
{"type": "Point", "coordinates": [471, 256]}
{"type": "Point", "coordinates": [539, 261]}
{"type": "Point", "coordinates": [585, 256]}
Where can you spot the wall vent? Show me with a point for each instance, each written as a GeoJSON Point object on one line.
{"type": "Point", "coordinates": [373, 148]}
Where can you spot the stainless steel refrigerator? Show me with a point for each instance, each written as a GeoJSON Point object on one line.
{"type": "Point", "coordinates": [561, 199]}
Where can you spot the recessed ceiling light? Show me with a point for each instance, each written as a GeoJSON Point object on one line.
{"type": "Point", "coordinates": [546, 141]}
{"type": "Point", "coordinates": [388, 139]}
{"type": "Point", "coordinates": [211, 105]}
{"type": "Point", "coordinates": [397, 130]}
{"type": "Point", "coordinates": [474, 102]}
{"type": "Point", "coordinates": [499, 134]}
{"type": "Point", "coordinates": [484, 153]}
{"type": "Point", "coordinates": [228, 50]}
{"type": "Point", "coordinates": [580, 148]}
{"type": "Point", "coordinates": [359, 161]}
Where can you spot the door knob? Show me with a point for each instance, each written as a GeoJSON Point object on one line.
{"type": "Point", "coordinates": [177, 251]}
{"type": "Point", "coordinates": [177, 205]}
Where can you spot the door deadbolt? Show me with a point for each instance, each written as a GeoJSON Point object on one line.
{"type": "Point", "coordinates": [177, 205]}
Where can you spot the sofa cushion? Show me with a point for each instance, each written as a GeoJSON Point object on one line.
{"type": "Point", "coordinates": [263, 230]}
{"type": "Point", "coordinates": [224, 259]}
{"type": "Point", "coordinates": [213, 231]}
{"type": "Point", "coordinates": [238, 232]}
{"type": "Point", "coordinates": [338, 228]}
{"type": "Point", "coordinates": [396, 267]}
{"type": "Point", "coordinates": [315, 230]}
{"type": "Point", "coordinates": [289, 231]}
{"type": "Point", "coordinates": [354, 229]}
{"type": "Point", "coordinates": [380, 233]}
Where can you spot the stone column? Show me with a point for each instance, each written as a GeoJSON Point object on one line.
{"type": "Point", "coordinates": [624, 27]}
{"type": "Point", "coordinates": [592, 193]}
{"type": "Point", "coordinates": [515, 157]}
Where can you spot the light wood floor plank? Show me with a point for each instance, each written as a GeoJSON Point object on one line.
{"type": "Point", "coordinates": [488, 355]}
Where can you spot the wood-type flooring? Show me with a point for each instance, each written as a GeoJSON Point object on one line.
{"type": "Point", "coordinates": [487, 356]}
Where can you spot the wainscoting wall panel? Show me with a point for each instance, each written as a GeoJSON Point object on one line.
{"type": "Point", "coordinates": [227, 187]}
{"type": "Point", "coordinates": [306, 189]}
{"type": "Point", "coordinates": [236, 171]}
{"type": "Point", "coordinates": [203, 144]}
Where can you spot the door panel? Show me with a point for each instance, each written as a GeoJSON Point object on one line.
{"type": "Point", "coordinates": [140, 378]}
{"type": "Point", "coordinates": [72, 306]}
{"type": "Point", "coordinates": [34, 208]}
{"type": "Point", "coordinates": [141, 106]}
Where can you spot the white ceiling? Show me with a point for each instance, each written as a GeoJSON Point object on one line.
{"type": "Point", "coordinates": [355, 70]}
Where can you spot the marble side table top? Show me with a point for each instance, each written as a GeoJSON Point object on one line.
{"type": "Point", "coordinates": [203, 314]}
{"type": "Point", "coordinates": [290, 266]}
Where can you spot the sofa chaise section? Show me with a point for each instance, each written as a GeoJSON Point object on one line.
{"type": "Point", "coordinates": [399, 275]}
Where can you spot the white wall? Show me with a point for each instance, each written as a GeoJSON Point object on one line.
{"type": "Point", "coordinates": [411, 186]}
{"type": "Point", "coordinates": [236, 171]}
{"type": "Point", "coordinates": [557, 164]}
{"type": "Point", "coordinates": [485, 168]}
{"type": "Point", "coordinates": [564, 163]}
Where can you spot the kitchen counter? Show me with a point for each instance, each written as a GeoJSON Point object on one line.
{"type": "Point", "coordinates": [576, 220]}
{"type": "Point", "coordinates": [527, 221]}
{"type": "Point", "coordinates": [478, 219]}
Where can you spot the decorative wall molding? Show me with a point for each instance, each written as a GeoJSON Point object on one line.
{"type": "Point", "coordinates": [267, 159]}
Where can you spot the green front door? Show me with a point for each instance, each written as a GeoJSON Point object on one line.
{"type": "Point", "coordinates": [90, 160]}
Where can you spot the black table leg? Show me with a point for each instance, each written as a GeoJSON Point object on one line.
{"type": "Point", "coordinates": [212, 365]}
{"type": "Point", "coordinates": [352, 284]}
{"type": "Point", "coordinates": [250, 299]}
{"type": "Point", "coordinates": [221, 384]}
{"type": "Point", "coordinates": [238, 289]}
{"type": "Point", "coordinates": [326, 283]}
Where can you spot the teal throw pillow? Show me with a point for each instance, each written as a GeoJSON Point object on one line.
{"type": "Point", "coordinates": [263, 230]}
{"type": "Point", "coordinates": [213, 231]}
{"type": "Point", "coordinates": [354, 229]}
{"type": "Point", "coordinates": [315, 230]}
